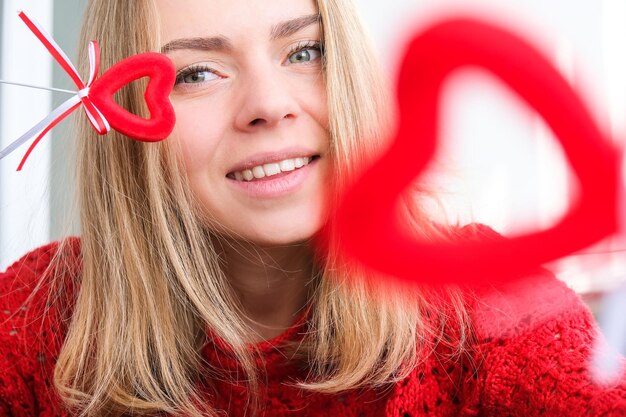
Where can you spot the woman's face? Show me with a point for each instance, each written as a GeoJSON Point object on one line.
{"type": "Point", "coordinates": [252, 122]}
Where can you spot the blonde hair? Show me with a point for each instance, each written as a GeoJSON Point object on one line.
{"type": "Point", "coordinates": [152, 284]}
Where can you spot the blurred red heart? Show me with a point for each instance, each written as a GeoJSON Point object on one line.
{"type": "Point", "coordinates": [365, 222]}
{"type": "Point", "coordinates": [162, 74]}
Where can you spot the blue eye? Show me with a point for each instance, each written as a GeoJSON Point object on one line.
{"type": "Point", "coordinates": [305, 53]}
{"type": "Point", "coordinates": [195, 75]}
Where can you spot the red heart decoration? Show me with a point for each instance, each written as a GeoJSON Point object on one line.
{"type": "Point", "coordinates": [162, 75]}
{"type": "Point", "coordinates": [364, 220]}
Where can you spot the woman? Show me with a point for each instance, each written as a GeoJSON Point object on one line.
{"type": "Point", "coordinates": [194, 290]}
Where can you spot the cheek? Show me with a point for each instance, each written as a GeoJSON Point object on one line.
{"type": "Point", "coordinates": [197, 135]}
{"type": "Point", "coordinates": [316, 104]}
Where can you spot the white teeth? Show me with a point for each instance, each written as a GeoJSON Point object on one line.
{"type": "Point", "coordinates": [258, 172]}
{"type": "Point", "coordinates": [270, 169]}
{"type": "Point", "coordinates": [247, 175]}
{"type": "Point", "coordinates": [287, 165]}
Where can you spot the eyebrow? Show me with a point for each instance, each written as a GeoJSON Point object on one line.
{"type": "Point", "coordinates": [222, 43]}
{"type": "Point", "coordinates": [288, 28]}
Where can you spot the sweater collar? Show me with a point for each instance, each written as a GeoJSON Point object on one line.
{"type": "Point", "coordinates": [267, 354]}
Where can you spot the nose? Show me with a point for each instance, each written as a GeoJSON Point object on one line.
{"type": "Point", "coordinates": [267, 99]}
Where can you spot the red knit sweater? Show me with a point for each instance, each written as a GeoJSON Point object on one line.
{"type": "Point", "coordinates": [530, 359]}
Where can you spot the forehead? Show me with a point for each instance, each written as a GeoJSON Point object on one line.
{"type": "Point", "coordinates": [230, 18]}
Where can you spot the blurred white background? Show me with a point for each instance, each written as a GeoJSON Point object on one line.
{"type": "Point", "coordinates": [498, 163]}
{"type": "Point", "coordinates": [35, 203]}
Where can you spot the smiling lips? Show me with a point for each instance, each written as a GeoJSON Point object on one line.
{"type": "Point", "coordinates": [270, 169]}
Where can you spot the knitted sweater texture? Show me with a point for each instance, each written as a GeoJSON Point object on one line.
{"type": "Point", "coordinates": [533, 343]}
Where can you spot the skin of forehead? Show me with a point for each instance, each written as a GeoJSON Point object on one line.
{"type": "Point", "coordinates": [233, 20]}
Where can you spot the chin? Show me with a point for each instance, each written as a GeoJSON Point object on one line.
{"type": "Point", "coordinates": [283, 230]}
{"type": "Point", "coordinates": [282, 236]}
{"type": "Point", "coordinates": [273, 225]}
